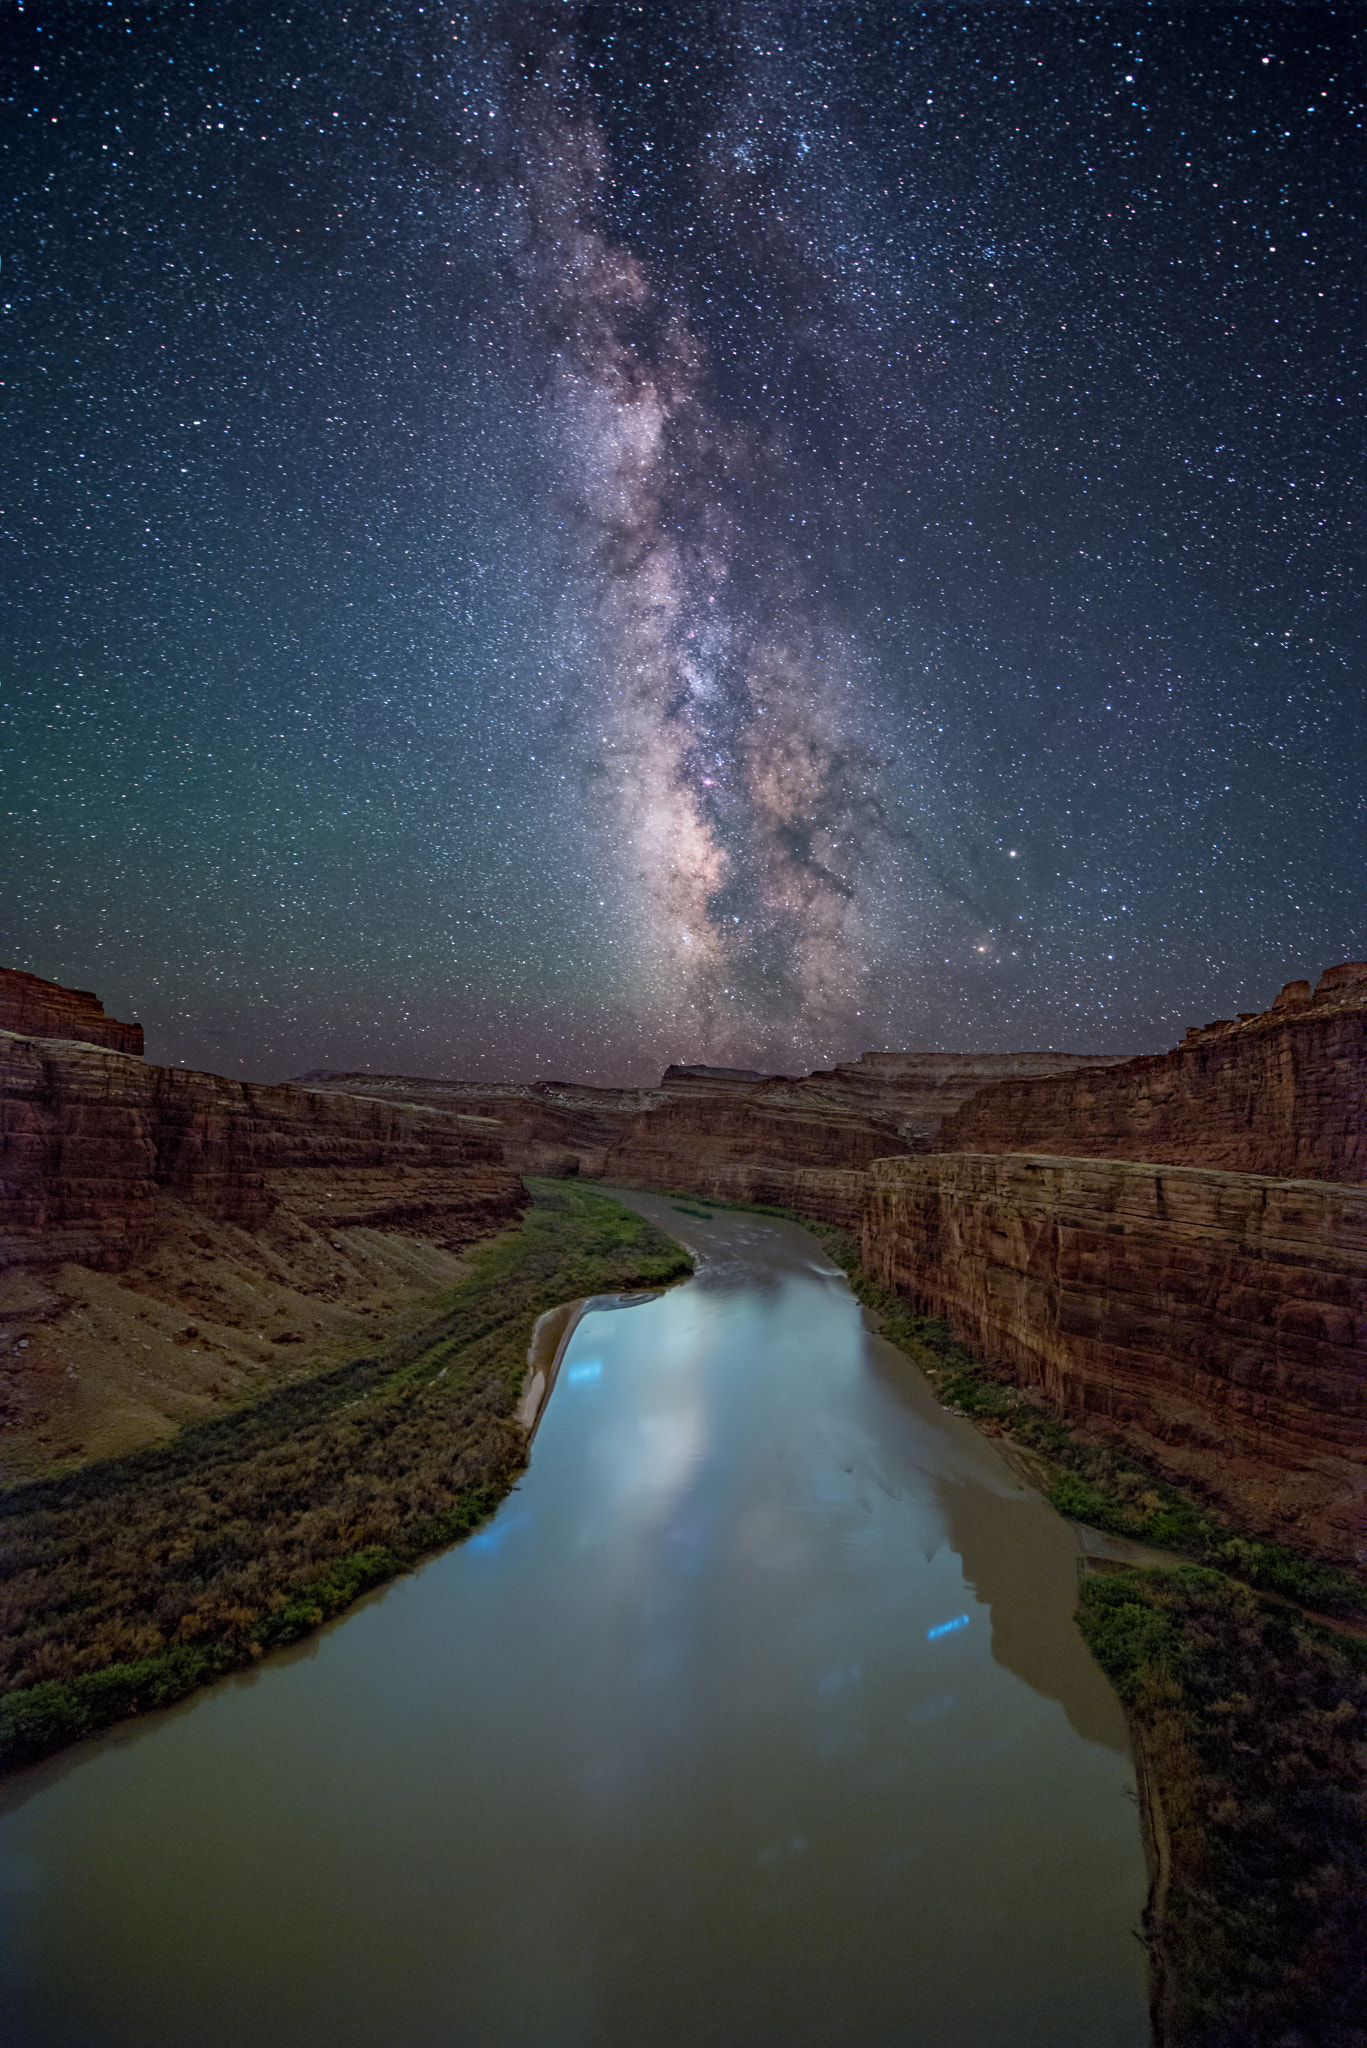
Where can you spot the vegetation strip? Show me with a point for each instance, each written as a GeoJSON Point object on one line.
{"type": "Point", "coordinates": [1249, 1720]}
{"type": "Point", "coordinates": [126, 1584]}
{"type": "Point", "coordinates": [1250, 1723]}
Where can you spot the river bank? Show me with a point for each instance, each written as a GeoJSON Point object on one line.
{"type": "Point", "coordinates": [1247, 1708]}
{"type": "Point", "coordinates": [132, 1581]}
{"type": "Point", "coordinates": [1243, 1671]}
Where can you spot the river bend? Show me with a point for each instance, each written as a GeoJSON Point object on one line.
{"type": "Point", "coordinates": [755, 1719]}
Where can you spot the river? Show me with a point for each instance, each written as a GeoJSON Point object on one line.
{"type": "Point", "coordinates": [756, 1718]}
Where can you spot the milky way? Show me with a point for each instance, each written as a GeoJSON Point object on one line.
{"type": "Point", "coordinates": [727, 793]}
{"type": "Point", "coordinates": [558, 538]}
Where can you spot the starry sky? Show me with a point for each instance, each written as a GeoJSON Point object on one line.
{"type": "Point", "coordinates": [547, 539]}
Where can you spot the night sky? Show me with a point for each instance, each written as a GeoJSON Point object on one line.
{"type": "Point", "coordinates": [547, 540]}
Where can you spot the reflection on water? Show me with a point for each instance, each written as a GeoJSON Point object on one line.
{"type": "Point", "coordinates": [755, 1719]}
{"type": "Point", "coordinates": [1016, 1575]}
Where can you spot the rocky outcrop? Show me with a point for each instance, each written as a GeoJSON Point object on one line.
{"type": "Point", "coordinates": [1216, 1322]}
{"type": "Point", "coordinates": [699, 1071]}
{"type": "Point", "coordinates": [44, 1009]}
{"type": "Point", "coordinates": [89, 1138]}
{"type": "Point", "coordinates": [1283, 1093]}
{"type": "Point", "coordinates": [547, 1127]}
{"type": "Point", "coordinates": [913, 1093]}
{"type": "Point", "coordinates": [803, 1143]}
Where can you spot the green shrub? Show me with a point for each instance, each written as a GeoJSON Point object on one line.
{"type": "Point", "coordinates": [1252, 1724]}
{"type": "Point", "coordinates": [1073, 1496]}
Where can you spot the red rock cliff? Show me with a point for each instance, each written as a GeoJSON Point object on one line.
{"type": "Point", "coordinates": [44, 1009]}
{"type": "Point", "coordinates": [1283, 1093]}
{"type": "Point", "coordinates": [913, 1093]}
{"type": "Point", "coordinates": [718, 1140]}
{"type": "Point", "coordinates": [1215, 1322]}
{"type": "Point", "coordinates": [804, 1143]}
{"type": "Point", "coordinates": [88, 1138]}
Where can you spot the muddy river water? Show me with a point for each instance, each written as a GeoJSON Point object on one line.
{"type": "Point", "coordinates": [755, 1719]}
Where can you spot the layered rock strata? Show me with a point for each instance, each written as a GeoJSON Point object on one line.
{"type": "Point", "coordinates": [809, 1157]}
{"type": "Point", "coordinates": [827, 1194]}
{"type": "Point", "coordinates": [915, 1092]}
{"type": "Point", "coordinates": [1215, 1322]}
{"type": "Point", "coordinates": [170, 1240]}
{"type": "Point", "coordinates": [1281, 1093]}
{"type": "Point", "coordinates": [90, 1138]}
{"type": "Point", "coordinates": [44, 1009]}
{"type": "Point", "coordinates": [803, 1143]}
{"type": "Point", "coordinates": [547, 1127]}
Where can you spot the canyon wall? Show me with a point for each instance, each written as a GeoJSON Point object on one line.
{"type": "Point", "coordinates": [804, 1143]}
{"type": "Point", "coordinates": [826, 1194]}
{"type": "Point", "coordinates": [807, 1144]}
{"type": "Point", "coordinates": [1170, 1248]}
{"type": "Point", "coordinates": [913, 1093]}
{"type": "Point", "coordinates": [1282, 1093]}
{"type": "Point", "coordinates": [44, 1009]}
{"type": "Point", "coordinates": [547, 1127]}
{"type": "Point", "coordinates": [1215, 1322]}
{"type": "Point", "coordinates": [716, 1141]}
{"type": "Point", "coordinates": [89, 1138]}
{"type": "Point", "coordinates": [810, 1157]}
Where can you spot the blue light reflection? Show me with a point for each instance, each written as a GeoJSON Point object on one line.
{"type": "Point", "coordinates": [491, 1536]}
{"type": "Point", "coordinates": [586, 1369]}
{"type": "Point", "coordinates": [944, 1628]}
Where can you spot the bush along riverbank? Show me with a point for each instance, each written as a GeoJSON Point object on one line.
{"type": "Point", "coordinates": [128, 1583]}
{"type": "Point", "coordinates": [1249, 1725]}
{"type": "Point", "coordinates": [1249, 1719]}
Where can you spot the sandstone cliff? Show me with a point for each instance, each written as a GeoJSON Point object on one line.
{"type": "Point", "coordinates": [1282, 1093]}
{"type": "Point", "coordinates": [1216, 1322]}
{"type": "Point", "coordinates": [803, 1143]}
{"type": "Point", "coordinates": [44, 1009]}
{"type": "Point", "coordinates": [914, 1092]}
{"type": "Point", "coordinates": [547, 1127]}
{"type": "Point", "coordinates": [88, 1138]}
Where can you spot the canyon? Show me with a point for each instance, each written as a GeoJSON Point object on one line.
{"type": "Point", "coordinates": [804, 1143]}
{"type": "Point", "coordinates": [1170, 1249]}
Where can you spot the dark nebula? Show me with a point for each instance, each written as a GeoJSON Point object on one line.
{"type": "Point", "coordinates": [557, 538]}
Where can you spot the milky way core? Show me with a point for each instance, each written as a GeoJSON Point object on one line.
{"type": "Point", "coordinates": [729, 806]}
